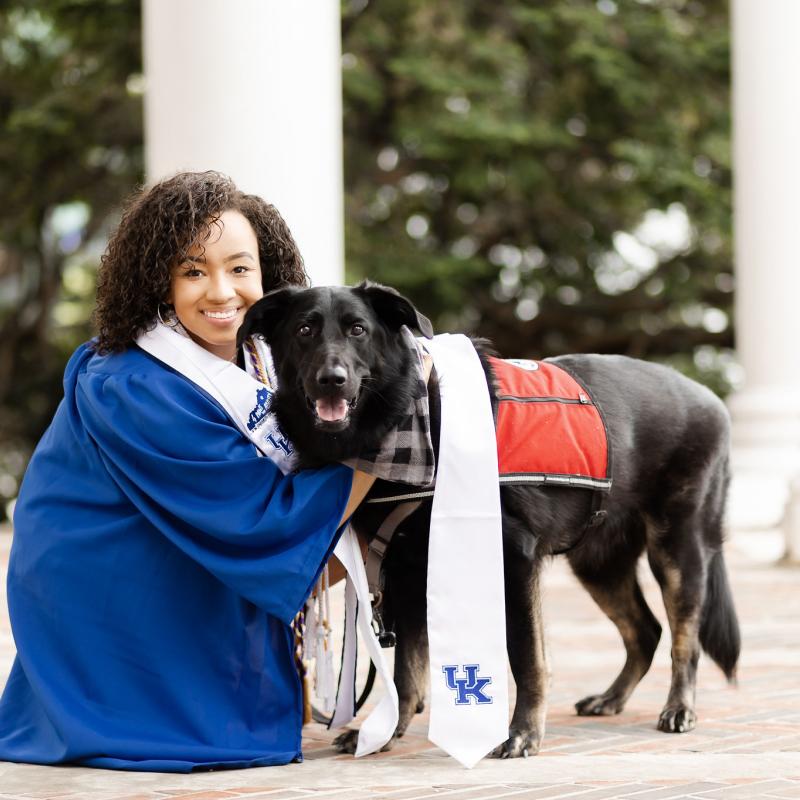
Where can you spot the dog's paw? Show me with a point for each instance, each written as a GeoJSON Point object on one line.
{"type": "Point", "coordinates": [346, 742]}
{"type": "Point", "coordinates": [677, 719]}
{"type": "Point", "coordinates": [519, 744]}
{"type": "Point", "coordinates": [599, 705]}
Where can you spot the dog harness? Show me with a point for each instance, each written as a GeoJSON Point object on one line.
{"type": "Point", "coordinates": [549, 432]}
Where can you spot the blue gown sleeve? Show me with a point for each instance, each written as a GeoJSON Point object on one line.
{"type": "Point", "coordinates": [190, 472]}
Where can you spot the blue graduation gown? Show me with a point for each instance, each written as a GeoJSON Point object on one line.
{"type": "Point", "coordinates": [156, 565]}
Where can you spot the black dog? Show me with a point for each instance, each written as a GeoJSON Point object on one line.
{"type": "Point", "coordinates": [345, 377]}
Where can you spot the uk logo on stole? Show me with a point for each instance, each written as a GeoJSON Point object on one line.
{"type": "Point", "coordinates": [469, 688]}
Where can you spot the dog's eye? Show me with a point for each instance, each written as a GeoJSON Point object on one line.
{"type": "Point", "coordinates": [304, 330]}
{"type": "Point", "coordinates": [356, 330]}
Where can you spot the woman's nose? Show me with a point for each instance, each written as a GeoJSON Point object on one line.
{"type": "Point", "coordinates": [220, 289]}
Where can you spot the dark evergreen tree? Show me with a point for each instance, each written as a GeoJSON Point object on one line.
{"type": "Point", "coordinates": [553, 174]}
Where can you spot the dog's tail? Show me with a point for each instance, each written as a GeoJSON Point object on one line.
{"type": "Point", "coordinates": [719, 627]}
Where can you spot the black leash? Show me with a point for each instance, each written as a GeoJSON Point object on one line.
{"type": "Point", "coordinates": [318, 716]}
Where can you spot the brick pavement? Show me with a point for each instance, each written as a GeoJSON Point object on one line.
{"type": "Point", "coordinates": [747, 744]}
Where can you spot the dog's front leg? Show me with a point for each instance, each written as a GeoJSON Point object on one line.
{"type": "Point", "coordinates": [526, 653]}
{"type": "Point", "coordinates": [411, 656]}
{"type": "Point", "coordinates": [406, 592]}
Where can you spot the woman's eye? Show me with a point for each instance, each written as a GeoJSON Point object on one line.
{"type": "Point", "coordinates": [357, 330]}
{"type": "Point", "coordinates": [304, 330]}
{"type": "Point", "coordinates": [241, 270]}
{"type": "Point", "coordinates": [192, 273]}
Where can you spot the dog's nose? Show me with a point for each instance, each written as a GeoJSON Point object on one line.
{"type": "Point", "coordinates": [332, 375]}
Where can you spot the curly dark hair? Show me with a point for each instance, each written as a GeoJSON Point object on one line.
{"type": "Point", "coordinates": [158, 226]}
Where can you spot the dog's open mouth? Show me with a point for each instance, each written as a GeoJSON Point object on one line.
{"type": "Point", "coordinates": [332, 411]}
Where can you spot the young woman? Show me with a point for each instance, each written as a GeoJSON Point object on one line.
{"type": "Point", "coordinates": [158, 557]}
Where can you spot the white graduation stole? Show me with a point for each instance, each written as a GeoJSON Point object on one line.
{"type": "Point", "coordinates": [466, 590]}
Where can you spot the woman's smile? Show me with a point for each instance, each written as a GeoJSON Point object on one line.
{"type": "Point", "coordinates": [222, 316]}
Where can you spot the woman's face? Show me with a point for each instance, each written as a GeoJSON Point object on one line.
{"type": "Point", "coordinates": [216, 284]}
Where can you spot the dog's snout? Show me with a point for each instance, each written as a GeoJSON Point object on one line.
{"type": "Point", "coordinates": [332, 375]}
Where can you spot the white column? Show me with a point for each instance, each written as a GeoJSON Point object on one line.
{"type": "Point", "coordinates": [766, 412]}
{"type": "Point", "coordinates": [252, 88]}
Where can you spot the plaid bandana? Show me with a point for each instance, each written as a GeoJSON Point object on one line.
{"type": "Point", "coordinates": [406, 453]}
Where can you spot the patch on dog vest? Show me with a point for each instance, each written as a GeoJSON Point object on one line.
{"type": "Point", "coordinates": [549, 431]}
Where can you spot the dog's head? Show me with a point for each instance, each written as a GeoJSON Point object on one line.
{"type": "Point", "coordinates": [339, 354]}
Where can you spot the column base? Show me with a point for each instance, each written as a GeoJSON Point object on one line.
{"type": "Point", "coordinates": [765, 490]}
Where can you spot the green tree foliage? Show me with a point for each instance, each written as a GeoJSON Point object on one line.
{"type": "Point", "coordinates": [552, 174]}
{"type": "Point", "coordinates": [70, 149]}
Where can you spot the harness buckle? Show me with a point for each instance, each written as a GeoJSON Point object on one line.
{"type": "Point", "coordinates": [385, 638]}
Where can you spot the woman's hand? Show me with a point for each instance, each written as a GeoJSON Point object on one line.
{"type": "Point", "coordinates": [362, 483]}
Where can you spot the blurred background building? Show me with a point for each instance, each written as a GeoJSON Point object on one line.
{"type": "Point", "coordinates": [554, 175]}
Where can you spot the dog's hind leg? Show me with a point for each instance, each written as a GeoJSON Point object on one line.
{"type": "Point", "coordinates": [678, 561]}
{"type": "Point", "coordinates": [684, 548]}
{"type": "Point", "coordinates": [614, 587]}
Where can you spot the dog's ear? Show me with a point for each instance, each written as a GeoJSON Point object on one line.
{"type": "Point", "coordinates": [394, 309]}
{"type": "Point", "coordinates": [265, 315]}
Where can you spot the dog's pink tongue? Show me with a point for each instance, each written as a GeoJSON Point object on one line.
{"type": "Point", "coordinates": [331, 410]}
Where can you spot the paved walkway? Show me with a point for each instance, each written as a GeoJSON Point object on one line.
{"type": "Point", "coordinates": [747, 744]}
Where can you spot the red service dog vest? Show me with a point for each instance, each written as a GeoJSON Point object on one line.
{"type": "Point", "coordinates": [549, 430]}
